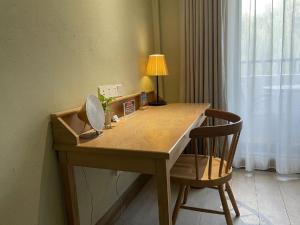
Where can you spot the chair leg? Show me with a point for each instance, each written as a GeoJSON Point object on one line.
{"type": "Point", "coordinates": [225, 206]}
{"type": "Point", "coordinates": [177, 204]}
{"type": "Point", "coordinates": [232, 199]}
{"type": "Point", "coordinates": [186, 193]}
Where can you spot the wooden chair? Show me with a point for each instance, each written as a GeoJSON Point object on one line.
{"type": "Point", "coordinates": [212, 168]}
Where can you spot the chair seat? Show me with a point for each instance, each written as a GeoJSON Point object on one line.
{"type": "Point", "coordinates": [184, 171]}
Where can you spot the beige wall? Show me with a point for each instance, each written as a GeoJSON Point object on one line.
{"type": "Point", "coordinates": [53, 53]}
{"type": "Point", "coordinates": [170, 46]}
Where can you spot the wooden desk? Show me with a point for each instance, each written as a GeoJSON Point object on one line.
{"type": "Point", "coordinates": [149, 142]}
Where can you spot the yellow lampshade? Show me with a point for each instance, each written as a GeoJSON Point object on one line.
{"type": "Point", "coordinates": [157, 65]}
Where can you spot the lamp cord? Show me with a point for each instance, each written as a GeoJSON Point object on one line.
{"type": "Point", "coordinates": [121, 219]}
{"type": "Point", "coordinates": [90, 193]}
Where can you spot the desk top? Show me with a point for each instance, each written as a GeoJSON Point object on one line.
{"type": "Point", "coordinates": [153, 130]}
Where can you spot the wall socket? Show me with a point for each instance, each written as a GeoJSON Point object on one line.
{"type": "Point", "coordinates": [111, 90]}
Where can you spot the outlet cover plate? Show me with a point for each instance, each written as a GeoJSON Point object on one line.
{"type": "Point", "coordinates": [111, 90]}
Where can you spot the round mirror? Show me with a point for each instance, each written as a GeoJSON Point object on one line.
{"type": "Point", "coordinates": [95, 112]}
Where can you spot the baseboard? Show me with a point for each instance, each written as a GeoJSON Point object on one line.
{"type": "Point", "coordinates": [112, 215]}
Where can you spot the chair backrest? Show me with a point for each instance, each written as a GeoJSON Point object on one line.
{"type": "Point", "coordinates": [218, 140]}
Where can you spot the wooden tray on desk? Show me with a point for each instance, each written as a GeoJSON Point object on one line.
{"type": "Point", "coordinates": [67, 127]}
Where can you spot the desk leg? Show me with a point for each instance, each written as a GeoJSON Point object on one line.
{"type": "Point", "coordinates": [162, 177]}
{"type": "Point", "coordinates": [70, 195]}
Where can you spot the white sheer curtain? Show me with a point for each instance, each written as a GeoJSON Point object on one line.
{"type": "Point", "coordinates": [263, 67]}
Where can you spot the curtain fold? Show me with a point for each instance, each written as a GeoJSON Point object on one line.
{"type": "Point", "coordinates": [263, 67]}
{"type": "Point", "coordinates": [202, 49]}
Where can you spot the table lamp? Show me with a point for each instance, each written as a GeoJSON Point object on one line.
{"type": "Point", "coordinates": [157, 67]}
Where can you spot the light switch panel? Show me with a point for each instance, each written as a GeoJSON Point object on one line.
{"type": "Point", "coordinates": [111, 90]}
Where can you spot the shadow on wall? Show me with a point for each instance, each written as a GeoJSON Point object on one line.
{"type": "Point", "coordinates": [51, 205]}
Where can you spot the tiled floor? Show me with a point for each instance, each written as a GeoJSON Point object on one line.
{"type": "Point", "coordinates": [263, 198]}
